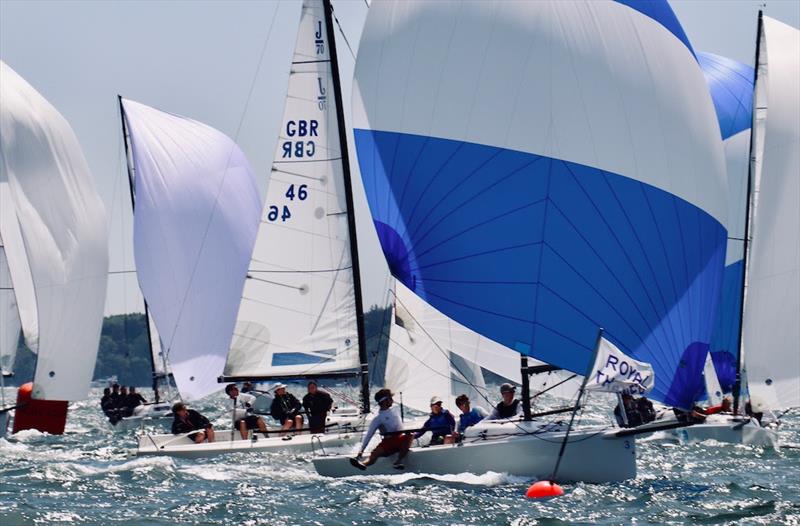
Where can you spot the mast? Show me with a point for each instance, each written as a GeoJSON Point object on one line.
{"type": "Point", "coordinates": [129, 166]}
{"type": "Point", "coordinates": [351, 219]}
{"type": "Point", "coordinates": [737, 386]}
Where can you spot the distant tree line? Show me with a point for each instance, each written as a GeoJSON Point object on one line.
{"type": "Point", "coordinates": [124, 350]}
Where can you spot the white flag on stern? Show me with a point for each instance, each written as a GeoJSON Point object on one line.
{"type": "Point", "coordinates": [615, 372]}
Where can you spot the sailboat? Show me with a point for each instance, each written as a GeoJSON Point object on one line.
{"type": "Point", "coordinates": [300, 314]}
{"type": "Point", "coordinates": [536, 171]}
{"type": "Point", "coordinates": [53, 256]}
{"type": "Point", "coordinates": [761, 302]}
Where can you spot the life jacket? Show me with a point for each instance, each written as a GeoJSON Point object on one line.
{"type": "Point", "coordinates": [507, 411]}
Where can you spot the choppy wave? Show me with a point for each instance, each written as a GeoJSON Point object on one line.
{"type": "Point", "coordinates": [85, 477]}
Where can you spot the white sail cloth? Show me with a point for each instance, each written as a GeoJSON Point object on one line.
{"type": "Point", "coordinates": [55, 238]}
{"type": "Point", "coordinates": [771, 332]}
{"type": "Point", "coordinates": [9, 316]}
{"type": "Point", "coordinates": [298, 314]}
{"type": "Point", "coordinates": [425, 356]}
{"type": "Point", "coordinates": [195, 220]}
{"type": "Point", "coordinates": [431, 354]}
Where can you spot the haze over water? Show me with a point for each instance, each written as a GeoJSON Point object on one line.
{"type": "Point", "coordinates": [85, 477]}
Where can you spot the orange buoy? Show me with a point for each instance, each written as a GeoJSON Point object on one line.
{"type": "Point", "coordinates": [48, 416]}
{"type": "Point", "coordinates": [544, 489]}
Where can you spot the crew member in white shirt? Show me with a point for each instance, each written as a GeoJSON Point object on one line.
{"type": "Point", "coordinates": [389, 423]}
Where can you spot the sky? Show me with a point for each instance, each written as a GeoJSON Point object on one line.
{"type": "Point", "coordinates": [226, 64]}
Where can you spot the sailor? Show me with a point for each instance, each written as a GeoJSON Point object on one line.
{"type": "Point", "coordinates": [627, 404]}
{"type": "Point", "coordinates": [509, 406]}
{"type": "Point", "coordinates": [243, 417]}
{"type": "Point", "coordinates": [134, 399]}
{"type": "Point", "coordinates": [122, 402]}
{"type": "Point", "coordinates": [391, 427]}
{"type": "Point", "coordinates": [317, 403]}
{"type": "Point", "coordinates": [696, 414]}
{"type": "Point", "coordinates": [106, 403]}
{"type": "Point", "coordinates": [286, 409]}
{"type": "Point", "coordinates": [469, 415]}
{"type": "Point", "coordinates": [645, 409]}
{"type": "Point", "coordinates": [187, 420]}
{"type": "Point", "coordinates": [440, 423]}
{"type": "Point", "coordinates": [115, 396]}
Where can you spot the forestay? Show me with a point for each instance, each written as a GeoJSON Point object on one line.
{"type": "Point", "coordinates": [771, 332]}
{"type": "Point", "coordinates": [195, 220]}
{"type": "Point", "coordinates": [536, 170]}
{"type": "Point", "coordinates": [53, 227]}
{"type": "Point", "coordinates": [731, 86]}
{"type": "Point", "coordinates": [298, 315]}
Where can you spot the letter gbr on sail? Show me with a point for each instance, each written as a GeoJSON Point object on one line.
{"type": "Point", "coordinates": [297, 314]}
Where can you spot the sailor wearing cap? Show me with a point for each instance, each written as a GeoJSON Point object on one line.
{"type": "Point", "coordinates": [440, 423]}
{"type": "Point", "coordinates": [509, 406]}
{"type": "Point", "coordinates": [391, 427]}
{"type": "Point", "coordinates": [286, 409]}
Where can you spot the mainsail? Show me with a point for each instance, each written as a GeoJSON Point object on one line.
{"type": "Point", "coordinates": [195, 219]}
{"type": "Point", "coordinates": [53, 228]}
{"type": "Point", "coordinates": [771, 332]}
{"type": "Point", "coordinates": [537, 170]}
{"type": "Point", "coordinates": [299, 308]}
{"type": "Point", "coordinates": [731, 86]}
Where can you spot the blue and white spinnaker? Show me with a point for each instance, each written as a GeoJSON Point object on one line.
{"type": "Point", "coordinates": [537, 170]}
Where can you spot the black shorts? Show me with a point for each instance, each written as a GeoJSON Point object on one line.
{"type": "Point", "coordinates": [251, 421]}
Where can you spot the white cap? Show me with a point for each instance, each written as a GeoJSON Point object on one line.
{"type": "Point", "coordinates": [436, 400]}
{"type": "Point", "coordinates": [279, 386]}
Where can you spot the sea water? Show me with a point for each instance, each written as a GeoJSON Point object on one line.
{"type": "Point", "coordinates": [86, 477]}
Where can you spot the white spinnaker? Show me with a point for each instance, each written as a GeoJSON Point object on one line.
{"type": "Point", "coordinates": [772, 304]}
{"type": "Point", "coordinates": [20, 283]}
{"type": "Point", "coordinates": [9, 316]}
{"type": "Point", "coordinates": [195, 219]}
{"type": "Point", "coordinates": [62, 224]}
{"type": "Point", "coordinates": [298, 312]}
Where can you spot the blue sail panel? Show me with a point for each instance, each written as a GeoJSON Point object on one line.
{"type": "Point", "coordinates": [731, 86]}
{"type": "Point", "coordinates": [537, 253]}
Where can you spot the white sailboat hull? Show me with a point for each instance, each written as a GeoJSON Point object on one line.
{"type": "Point", "coordinates": [729, 429]}
{"type": "Point", "coordinates": [592, 455]}
{"type": "Point", "coordinates": [158, 416]}
{"type": "Point", "coordinates": [231, 442]}
{"type": "Point", "coordinates": [342, 430]}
